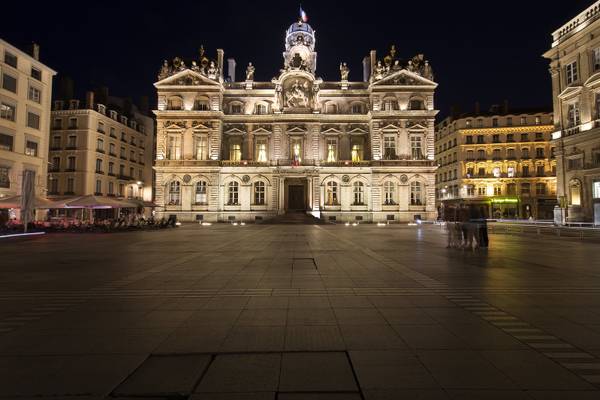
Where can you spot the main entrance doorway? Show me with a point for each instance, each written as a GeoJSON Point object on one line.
{"type": "Point", "coordinates": [296, 198]}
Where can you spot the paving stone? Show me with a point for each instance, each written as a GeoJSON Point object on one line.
{"type": "Point", "coordinates": [254, 338]}
{"type": "Point", "coordinates": [165, 375]}
{"type": "Point", "coordinates": [313, 338]}
{"type": "Point", "coordinates": [242, 373]}
{"type": "Point", "coordinates": [316, 372]}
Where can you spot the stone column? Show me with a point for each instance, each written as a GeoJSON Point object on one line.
{"type": "Point", "coordinates": [345, 144]}
{"type": "Point", "coordinates": [188, 144]}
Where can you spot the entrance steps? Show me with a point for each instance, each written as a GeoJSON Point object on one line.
{"type": "Point", "coordinates": [295, 218]}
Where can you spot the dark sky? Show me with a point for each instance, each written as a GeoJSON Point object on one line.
{"type": "Point", "coordinates": [479, 50]}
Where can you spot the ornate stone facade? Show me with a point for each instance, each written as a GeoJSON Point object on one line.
{"type": "Point", "coordinates": [251, 150]}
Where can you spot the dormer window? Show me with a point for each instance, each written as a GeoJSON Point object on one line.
{"type": "Point", "coordinates": [236, 108]}
{"type": "Point", "coordinates": [133, 124]}
{"type": "Point", "coordinates": [416, 104]}
{"type": "Point", "coordinates": [142, 129]}
{"type": "Point", "coordinates": [201, 105]}
{"type": "Point", "coordinates": [113, 114]}
{"type": "Point", "coordinates": [357, 108]}
{"type": "Point", "coordinates": [261, 109]}
{"type": "Point", "coordinates": [102, 109]}
{"type": "Point", "coordinates": [58, 104]}
{"type": "Point", "coordinates": [73, 104]}
{"type": "Point", "coordinates": [123, 120]}
{"type": "Point", "coordinates": [175, 103]}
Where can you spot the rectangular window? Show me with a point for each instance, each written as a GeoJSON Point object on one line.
{"type": "Point", "coordinates": [539, 152]}
{"type": "Point", "coordinates": [469, 139]}
{"type": "Point", "coordinates": [55, 163]}
{"type": "Point", "coordinates": [9, 83]}
{"type": "Point", "coordinates": [71, 163]}
{"type": "Point", "coordinates": [470, 155]}
{"type": "Point", "coordinates": [71, 141]}
{"type": "Point", "coordinates": [111, 188]}
{"type": "Point", "coordinates": [33, 120]}
{"type": "Point", "coordinates": [72, 123]}
{"type": "Point", "coordinates": [416, 147]}
{"type": "Point", "coordinates": [510, 137]}
{"type": "Point", "coordinates": [572, 73]}
{"type": "Point", "coordinates": [525, 170]}
{"type": "Point", "coordinates": [357, 152]}
{"type": "Point", "coordinates": [235, 152]}
{"type": "Point", "coordinates": [173, 149]}
{"type": "Point", "coordinates": [389, 148]}
{"type": "Point", "coordinates": [480, 139]}
{"type": "Point", "coordinates": [595, 188]}
{"type": "Point", "coordinates": [7, 111]}
{"type": "Point", "coordinates": [494, 122]}
{"type": "Point", "coordinates": [573, 115]}
{"type": "Point", "coordinates": [496, 138]}
{"type": "Point", "coordinates": [596, 59]}
{"type": "Point", "coordinates": [525, 188]}
{"type": "Point", "coordinates": [99, 166]}
{"type": "Point", "coordinates": [509, 121]}
{"type": "Point", "coordinates": [4, 177]}
{"type": "Point", "coordinates": [201, 147]}
{"type": "Point", "coordinates": [99, 187]}
{"type": "Point", "coordinates": [6, 142]}
{"type": "Point", "coordinates": [540, 188]}
{"type": "Point", "coordinates": [261, 150]}
{"type": "Point", "coordinates": [524, 137]}
{"type": "Point", "coordinates": [112, 149]}
{"type": "Point", "coordinates": [100, 126]}
{"type": "Point", "coordinates": [540, 170]}
{"type": "Point", "coordinates": [331, 150]}
{"type": "Point", "coordinates": [10, 59]}
{"type": "Point", "coordinates": [35, 94]}
{"type": "Point", "coordinates": [31, 148]}
{"type": "Point", "coordinates": [57, 124]}
{"type": "Point", "coordinates": [36, 74]}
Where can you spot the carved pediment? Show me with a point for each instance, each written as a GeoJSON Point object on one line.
{"type": "Point", "coordinates": [593, 81]}
{"type": "Point", "coordinates": [416, 125]}
{"type": "Point", "coordinates": [404, 78]}
{"type": "Point", "coordinates": [569, 92]}
{"type": "Point", "coordinates": [235, 130]}
{"type": "Point", "coordinates": [187, 77]}
{"type": "Point", "coordinates": [175, 125]}
{"type": "Point", "coordinates": [331, 129]}
{"type": "Point", "coordinates": [199, 125]}
{"type": "Point", "coordinates": [357, 130]}
{"type": "Point", "coordinates": [262, 130]}
{"type": "Point", "coordinates": [390, 127]}
{"type": "Point", "coordinates": [296, 129]}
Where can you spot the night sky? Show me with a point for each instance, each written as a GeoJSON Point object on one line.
{"type": "Point", "coordinates": [480, 50]}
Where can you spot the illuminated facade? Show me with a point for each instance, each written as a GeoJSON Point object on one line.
{"type": "Point", "coordinates": [503, 162]}
{"type": "Point", "coordinates": [575, 70]}
{"type": "Point", "coordinates": [96, 150]}
{"type": "Point", "coordinates": [341, 150]}
{"type": "Point", "coordinates": [25, 97]}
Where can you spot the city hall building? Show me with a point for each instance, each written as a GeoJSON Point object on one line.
{"type": "Point", "coordinates": [340, 150]}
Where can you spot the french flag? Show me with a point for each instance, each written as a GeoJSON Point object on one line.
{"type": "Point", "coordinates": [303, 15]}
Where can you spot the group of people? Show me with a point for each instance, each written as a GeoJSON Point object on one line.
{"type": "Point", "coordinates": [124, 222]}
{"type": "Point", "coordinates": [467, 228]}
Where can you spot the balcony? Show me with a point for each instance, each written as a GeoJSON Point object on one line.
{"type": "Point", "coordinates": [111, 174]}
{"type": "Point", "coordinates": [55, 148]}
{"type": "Point", "coordinates": [125, 177]}
{"type": "Point", "coordinates": [112, 154]}
{"type": "Point", "coordinates": [346, 163]}
{"type": "Point", "coordinates": [71, 148]}
{"type": "Point", "coordinates": [99, 130]}
{"type": "Point", "coordinates": [571, 131]}
{"type": "Point", "coordinates": [100, 172]}
{"type": "Point", "coordinates": [100, 151]}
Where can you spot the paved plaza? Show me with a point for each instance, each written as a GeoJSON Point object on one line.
{"type": "Point", "coordinates": [298, 312]}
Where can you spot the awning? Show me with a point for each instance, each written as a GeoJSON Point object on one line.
{"type": "Point", "coordinates": [38, 202]}
{"type": "Point", "coordinates": [93, 202]}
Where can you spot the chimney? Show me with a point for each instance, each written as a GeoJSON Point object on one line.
{"type": "Point", "coordinates": [477, 108]}
{"type": "Point", "coordinates": [366, 69]}
{"type": "Point", "coordinates": [373, 56]}
{"type": "Point", "coordinates": [89, 100]}
{"type": "Point", "coordinates": [505, 107]}
{"type": "Point", "coordinates": [231, 69]}
{"type": "Point", "coordinates": [220, 55]}
{"type": "Point", "coordinates": [35, 51]}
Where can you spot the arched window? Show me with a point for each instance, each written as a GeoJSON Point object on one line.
{"type": "Point", "coordinates": [416, 104]}
{"type": "Point", "coordinates": [359, 193]}
{"type": "Point", "coordinates": [201, 104]}
{"type": "Point", "coordinates": [331, 108]}
{"type": "Point", "coordinates": [390, 104]}
{"type": "Point", "coordinates": [175, 103]}
{"type": "Point", "coordinates": [388, 193]}
{"type": "Point", "coordinates": [331, 195]}
{"type": "Point", "coordinates": [174, 193]}
{"type": "Point", "coordinates": [261, 109]}
{"type": "Point", "coordinates": [357, 108]}
{"type": "Point", "coordinates": [259, 193]}
{"type": "Point", "coordinates": [416, 194]}
{"type": "Point", "coordinates": [201, 195]}
{"type": "Point", "coordinates": [575, 192]}
{"type": "Point", "coordinates": [233, 192]}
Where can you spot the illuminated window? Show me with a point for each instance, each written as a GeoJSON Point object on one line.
{"type": "Point", "coordinates": [201, 196]}
{"type": "Point", "coordinates": [573, 115]}
{"type": "Point", "coordinates": [596, 190]}
{"type": "Point", "coordinates": [331, 193]}
{"type": "Point", "coordinates": [496, 172]}
{"type": "Point", "coordinates": [235, 152]}
{"type": "Point", "coordinates": [8, 112]}
{"type": "Point", "coordinates": [201, 147]}
{"type": "Point", "coordinates": [540, 188]}
{"type": "Point", "coordinates": [296, 149]}
{"type": "Point", "coordinates": [511, 172]}
{"type": "Point", "coordinates": [260, 150]}
{"type": "Point", "coordinates": [4, 177]}
{"type": "Point", "coordinates": [359, 190]}
{"type": "Point", "coordinates": [331, 150]}
{"type": "Point", "coordinates": [357, 152]}
{"type": "Point", "coordinates": [259, 193]}
{"type": "Point", "coordinates": [261, 109]}
{"type": "Point", "coordinates": [35, 94]}
{"type": "Point", "coordinates": [497, 190]}
{"type": "Point", "coordinates": [173, 148]}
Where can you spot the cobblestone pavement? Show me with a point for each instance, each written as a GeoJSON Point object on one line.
{"type": "Point", "coordinates": [298, 312]}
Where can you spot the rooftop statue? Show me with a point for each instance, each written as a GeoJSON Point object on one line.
{"type": "Point", "coordinates": [250, 72]}
{"type": "Point", "coordinates": [165, 71]}
{"type": "Point", "coordinates": [427, 71]}
{"type": "Point", "coordinates": [212, 71]}
{"type": "Point", "coordinates": [379, 71]}
{"type": "Point", "coordinates": [344, 71]}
